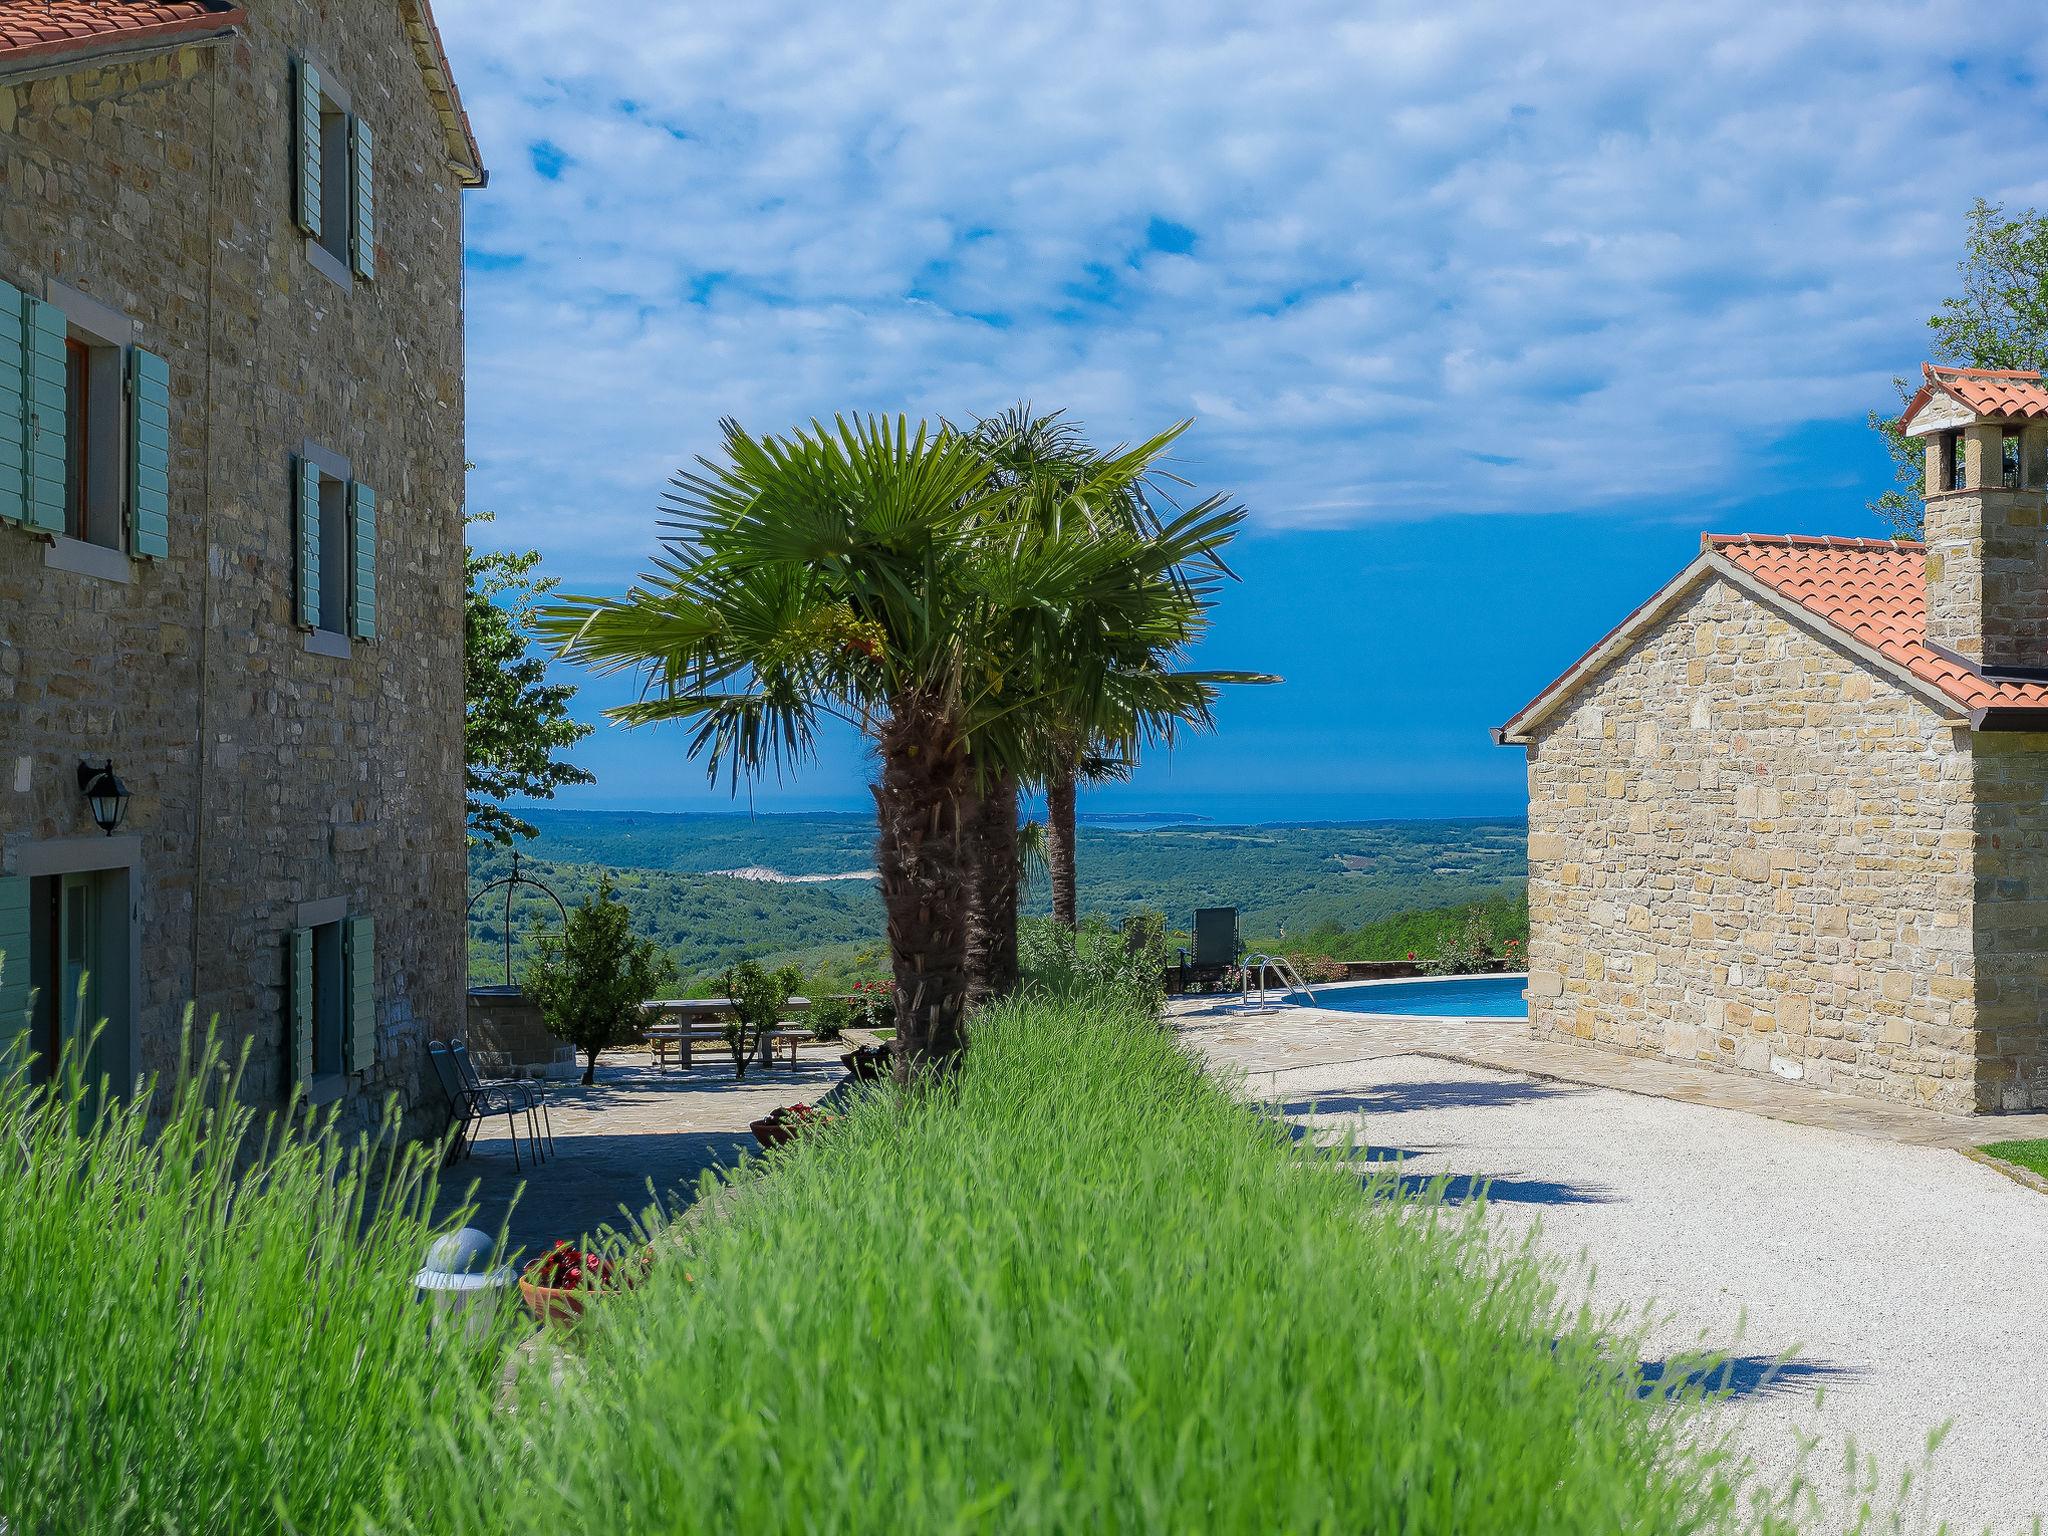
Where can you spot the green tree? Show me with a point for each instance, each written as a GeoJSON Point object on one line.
{"type": "Point", "coordinates": [1999, 321]}
{"type": "Point", "coordinates": [759, 997]}
{"type": "Point", "coordinates": [514, 721]}
{"type": "Point", "coordinates": [867, 573]}
{"type": "Point", "coordinates": [592, 981]}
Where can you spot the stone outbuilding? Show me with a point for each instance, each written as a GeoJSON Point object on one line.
{"type": "Point", "coordinates": [231, 545]}
{"type": "Point", "coordinates": [1791, 816]}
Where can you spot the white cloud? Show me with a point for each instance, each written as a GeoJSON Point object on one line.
{"type": "Point", "coordinates": [1616, 250]}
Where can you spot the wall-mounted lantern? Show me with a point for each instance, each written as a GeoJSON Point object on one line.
{"type": "Point", "coordinates": [105, 793]}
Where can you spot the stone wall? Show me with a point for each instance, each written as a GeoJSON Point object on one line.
{"type": "Point", "coordinates": [1748, 849]}
{"type": "Point", "coordinates": [264, 775]}
{"type": "Point", "coordinates": [2009, 782]}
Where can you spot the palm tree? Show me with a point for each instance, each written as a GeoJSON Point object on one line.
{"type": "Point", "coordinates": [868, 573]}
{"type": "Point", "coordinates": [1090, 733]}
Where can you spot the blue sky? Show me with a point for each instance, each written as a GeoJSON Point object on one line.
{"type": "Point", "coordinates": [1485, 311]}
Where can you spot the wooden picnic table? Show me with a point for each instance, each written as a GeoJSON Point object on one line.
{"type": "Point", "coordinates": [681, 1037]}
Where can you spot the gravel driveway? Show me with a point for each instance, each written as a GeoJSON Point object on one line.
{"type": "Point", "coordinates": [1911, 1282]}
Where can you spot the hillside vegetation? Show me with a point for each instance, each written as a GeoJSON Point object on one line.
{"type": "Point", "coordinates": [1366, 890]}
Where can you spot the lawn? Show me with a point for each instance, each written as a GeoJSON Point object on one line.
{"type": "Point", "coordinates": [1080, 1289]}
{"type": "Point", "coordinates": [2030, 1155]}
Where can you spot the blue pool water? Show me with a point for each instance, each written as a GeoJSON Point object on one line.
{"type": "Point", "coordinates": [1475, 997]}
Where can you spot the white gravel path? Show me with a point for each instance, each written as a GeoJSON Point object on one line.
{"type": "Point", "coordinates": [1911, 1282]}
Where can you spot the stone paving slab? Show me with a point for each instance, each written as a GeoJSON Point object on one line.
{"type": "Point", "coordinates": [1294, 1036]}
{"type": "Point", "coordinates": [638, 1137]}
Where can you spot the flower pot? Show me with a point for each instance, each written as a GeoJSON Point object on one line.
{"type": "Point", "coordinates": [553, 1304]}
{"type": "Point", "coordinates": [771, 1133]}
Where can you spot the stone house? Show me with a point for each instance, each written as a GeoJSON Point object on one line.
{"type": "Point", "coordinates": [231, 548]}
{"type": "Point", "coordinates": [1791, 815]}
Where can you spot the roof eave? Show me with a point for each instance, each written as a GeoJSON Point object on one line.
{"type": "Point", "coordinates": [465, 158]}
{"type": "Point", "coordinates": [64, 54]}
{"type": "Point", "coordinates": [1516, 731]}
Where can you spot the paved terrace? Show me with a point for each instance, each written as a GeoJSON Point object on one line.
{"type": "Point", "coordinates": [1724, 1214]}
{"type": "Point", "coordinates": [638, 1136]}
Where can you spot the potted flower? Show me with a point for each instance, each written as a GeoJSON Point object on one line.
{"type": "Point", "coordinates": [773, 1130]}
{"type": "Point", "coordinates": [557, 1285]}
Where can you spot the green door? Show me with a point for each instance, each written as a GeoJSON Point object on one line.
{"type": "Point", "coordinates": [78, 1009]}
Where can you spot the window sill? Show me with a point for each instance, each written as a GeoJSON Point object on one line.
{"type": "Point", "coordinates": [83, 559]}
{"type": "Point", "coordinates": [326, 1089]}
{"type": "Point", "coordinates": [328, 265]}
{"type": "Point", "coordinates": [328, 642]}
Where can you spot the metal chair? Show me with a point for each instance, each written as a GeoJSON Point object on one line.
{"type": "Point", "coordinates": [470, 1106]}
{"type": "Point", "coordinates": [526, 1091]}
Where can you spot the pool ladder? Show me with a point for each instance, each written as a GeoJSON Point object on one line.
{"type": "Point", "coordinates": [1251, 976]}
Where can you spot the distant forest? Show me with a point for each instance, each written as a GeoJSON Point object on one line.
{"type": "Point", "coordinates": [1339, 889]}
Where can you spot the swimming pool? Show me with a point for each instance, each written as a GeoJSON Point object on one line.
{"type": "Point", "coordinates": [1453, 997]}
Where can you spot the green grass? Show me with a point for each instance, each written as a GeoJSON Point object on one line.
{"type": "Point", "coordinates": [205, 1333]}
{"type": "Point", "coordinates": [2030, 1155]}
{"type": "Point", "coordinates": [1082, 1289]}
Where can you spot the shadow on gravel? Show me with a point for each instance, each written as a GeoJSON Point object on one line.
{"type": "Point", "coordinates": [1735, 1377]}
{"type": "Point", "coordinates": [1397, 1098]}
{"type": "Point", "coordinates": [1465, 1188]}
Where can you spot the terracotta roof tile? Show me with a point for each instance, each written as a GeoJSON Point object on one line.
{"type": "Point", "coordinates": [1876, 591]}
{"type": "Point", "coordinates": [2014, 394]}
{"type": "Point", "coordinates": [36, 28]}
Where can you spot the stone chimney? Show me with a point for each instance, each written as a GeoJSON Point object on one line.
{"type": "Point", "coordinates": [1986, 437]}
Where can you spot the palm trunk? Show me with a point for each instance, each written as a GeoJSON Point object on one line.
{"type": "Point", "coordinates": [992, 926]}
{"type": "Point", "coordinates": [925, 785]}
{"type": "Point", "coordinates": [1059, 844]}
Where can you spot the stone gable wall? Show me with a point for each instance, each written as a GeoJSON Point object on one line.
{"type": "Point", "coordinates": [1746, 848]}
{"type": "Point", "coordinates": [264, 775]}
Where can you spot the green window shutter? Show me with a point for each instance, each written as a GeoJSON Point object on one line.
{"type": "Point", "coordinates": [299, 1005]}
{"type": "Point", "coordinates": [14, 984]}
{"type": "Point", "coordinates": [47, 387]}
{"type": "Point", "coordinates": [306, 523]}
{"type": "Point", "coordinates": [14, 426]}
{"type": "Point", "coordinates": [362, 588]}
{"type": "Point", "coordinates": [149, 455]}
{"type": "Point", "coordinates": [359, 961]}
{"type": "Point", "coordinates": [363, 238]}
{"type": "Point", "coordinates": [306, 204]}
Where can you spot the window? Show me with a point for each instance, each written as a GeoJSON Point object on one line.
{"type": "Point", "coordinates": [78, 973]}
{"type": "Point", "coordinates": [94, 422]}
{"type": "Point", "coordinates": [332, 199]}
{"type": "Point", "coordinates": [95, 416]}
{"type": "Point", "coordinates": [327, 995]}
{"type": "Point", "coordinates": [333, 515]}
{"type": "Point", "coordinates": [331, 991]}
{"type": "Point", "coordinates": [2009, 458]}
{"type": "Point", "coordinates": [1954, 461]}
{"type": "Point", "coordinates": [336, 549]}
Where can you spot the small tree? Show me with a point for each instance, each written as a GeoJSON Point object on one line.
{"type": "Point", "coordinates": [593, 982]}
{"type": "Point", "coordinates": [2000, 321]}
{"type": "Point", "coordinates": [759, 999]}
{"type": "Point", "coordinates": [514, 720]}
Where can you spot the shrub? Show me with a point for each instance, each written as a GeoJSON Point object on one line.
{"type": "Point", "coordinates": [592, 981]}
{"type": "Point", "coordinates": [830, 1016]}
{"type": "Point", "coordinates": [1084, 1290]}
{"type": "Point", "coordinates": [1128, 969]}
{"type": "Point", "coordinates": [211, 1323]}
{"type": "Point", "coordinates": [1470, 949]}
